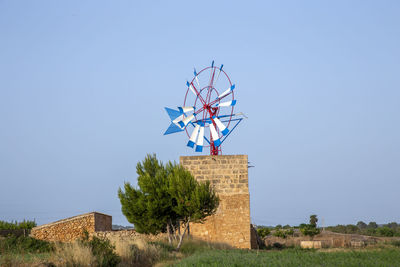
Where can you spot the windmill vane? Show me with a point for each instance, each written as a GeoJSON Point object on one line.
{"type": "Point", "coordinates": [207, 111]}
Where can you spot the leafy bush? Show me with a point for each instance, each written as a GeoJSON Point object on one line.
{"type": "Point", "coordinates": [25, 224]}
{"type": "Point", "coordinates": [280, 233]}
{"type": "Point", "coordinates": [102, 250]}
{"type": "Point", "coordinates": [290, 232]}
{"type": "Point", "coordinates": [263, 232]}
{"type": "Point", "coordinates": [385, 231]}
{"type": "Point", "coordinates": [310, 230]}
{"type": "Point", "coordinates": [396, 243]}
{"type": "Point", "coordinates": [24, 244]}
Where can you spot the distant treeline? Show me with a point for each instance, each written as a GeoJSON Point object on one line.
{"type": "Point", "coordinates": [25, 224]}
{"type": "Point", "coordinates": [361, 228]}
{"type": "Point", "coordinates": [371, 229]}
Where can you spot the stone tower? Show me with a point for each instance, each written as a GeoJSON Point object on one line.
{"type": "Point", "coordinates": [228, 175]}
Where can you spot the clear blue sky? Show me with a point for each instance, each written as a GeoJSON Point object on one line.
{"type": "Point", "coordinates": [83, 85]}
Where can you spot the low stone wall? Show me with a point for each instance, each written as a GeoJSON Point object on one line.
{"type": "Point", "coordinates": [327, 239]}
{"type": "Point", "coordinates": [315, 244]}
{"type": "Point", "coordinates": [127, 235]}
{"type": "Point", "coordinates": [72, 228]}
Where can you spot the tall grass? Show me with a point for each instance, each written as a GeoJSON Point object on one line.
{"type": "Point", "coordinates": [74, 254]}
{"type": "Point", "coordinates": [138, 252]}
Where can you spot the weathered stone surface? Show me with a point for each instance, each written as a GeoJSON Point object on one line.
{"type": "Point", "coordinates": [229, 176]}
{"type": "Point", "coordinates": [70, 229]}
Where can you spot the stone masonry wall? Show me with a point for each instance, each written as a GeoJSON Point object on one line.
{"type": "Point", "coordinates": [229, 176]}
{"type": "Point", "coordinates": [70, 229]}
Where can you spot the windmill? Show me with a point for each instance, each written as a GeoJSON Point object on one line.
{"type": "Point", "coordinates": [207, 112]}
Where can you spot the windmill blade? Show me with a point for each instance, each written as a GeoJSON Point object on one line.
{"type": "Point", "coordinates": [193, 136]}
{"type": "Point", "coordinates": [191, 88]}
{"type": "Point", "coordinates": [186, 120]}
{"type": "Point", "coordinates": [214, 135]}
{"type": "Point", "coordinates": [227, 104]}
{"type": "Point", "coordinates": [195, 76]}
{"type": "Point", "coordinates": [172, 113]}
{"type": "Point", "coordinates": [220, 126]}
{"type": "Point", "coordinates": [219, 72]}
{"type": "Point", "coordinates": [200, 139]}
{"type": "Point", "coordinates": [185, 109]}
{"type": "Point", "coordinates": [228, 91]}
{"type": "Point", "coordinates": [178, 119]}
{"type": "Point", "coordinates": [173, 128]}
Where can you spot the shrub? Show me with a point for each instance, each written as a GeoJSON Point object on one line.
{"type": "Point", "coordinates": [310, 230]}
{"type": "Point", "coordinates": [25, 224]}
{"type": "Point", "coordinates": [263, 232]}
{"type": "Point", "coordinates": [396, 243]}
{"type": "Point", "coordinates": [24, 244]}
{"type": "Point", "coordinates": [385, 231]}
{"type": "Point", "coordinates": [290, 232]}
{"type": "Point", "coordinates": [102, 250]}
{"type": "Point", "coordinates": [280, 233]}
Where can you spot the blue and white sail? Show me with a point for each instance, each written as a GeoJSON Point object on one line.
{"type": "Point", "coordinates": [195, 76]}
{"type": "Point", "coordinates": [183, 123]}
{"type": "Point", "coordinates": [220, 126]}
{"type": "Point", "coordinates": [227, 103]}
{"type": "Point", "coordinates": [193, 136]}
{"type": "Point", "coordinates": [219, 72]}
{"type": "Point", "coordinates": [175, 116]}
{"type": "Point", "coordinates": [200, 139]}
{"type": "Point", "coordinates": [227, 92]}
{"type": "Point", "coordinates": [214, 135]}
{"type": "Point", "coordinates": [191, 88]}
{"type": "Point", "coordinates": [185, 109]}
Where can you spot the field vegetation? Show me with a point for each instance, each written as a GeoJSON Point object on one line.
{"type": "Point", "coordinates": [370, 229]}
{"type": "Point", "coordinates": [25, 224]}
{"type": "Point", "coordinates": [294, 257]}
{"type": "Point", "coordinates": [26, 251]}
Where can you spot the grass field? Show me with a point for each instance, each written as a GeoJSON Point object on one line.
{"type": "Point", "coordinates": [28, 252]}
{"type": "Point", "coordinates": [294, 257]}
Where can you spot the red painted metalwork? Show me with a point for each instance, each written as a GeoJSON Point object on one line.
{"type": "Point", "coordinates": [204, 109]}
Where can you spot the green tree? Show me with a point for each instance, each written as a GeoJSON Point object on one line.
{"type": "Point", "coordinates": [149, 206]}
{"type": "Point", "coordinates": [313, 220]}
{"type": "Point", "coordinates": [385, 231]}
{"type": "Point", "coordinates": [311, 228]}
{"type": "Point", "coordinates": [263, 231]}
{"type": "Point", "coordinates": [392, 225]}
{"type": "Point", "coordinates": [361, 225]}
{"type": "Point", "coordinates": [194, 201]}
{"type": "Point", "coordinates": [351, 229]}
{"type": "Point", "coordinates": [372, 225]}
{"type": "Point", "coordinates": [167, 197]}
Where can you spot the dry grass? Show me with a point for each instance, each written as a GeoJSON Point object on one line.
{"type": "Point", "coordinates": [136, 252]}
{"type": "Point", "coordinates": [132, 252]}
{"type": "Point", "coordinates": [74, 254]}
